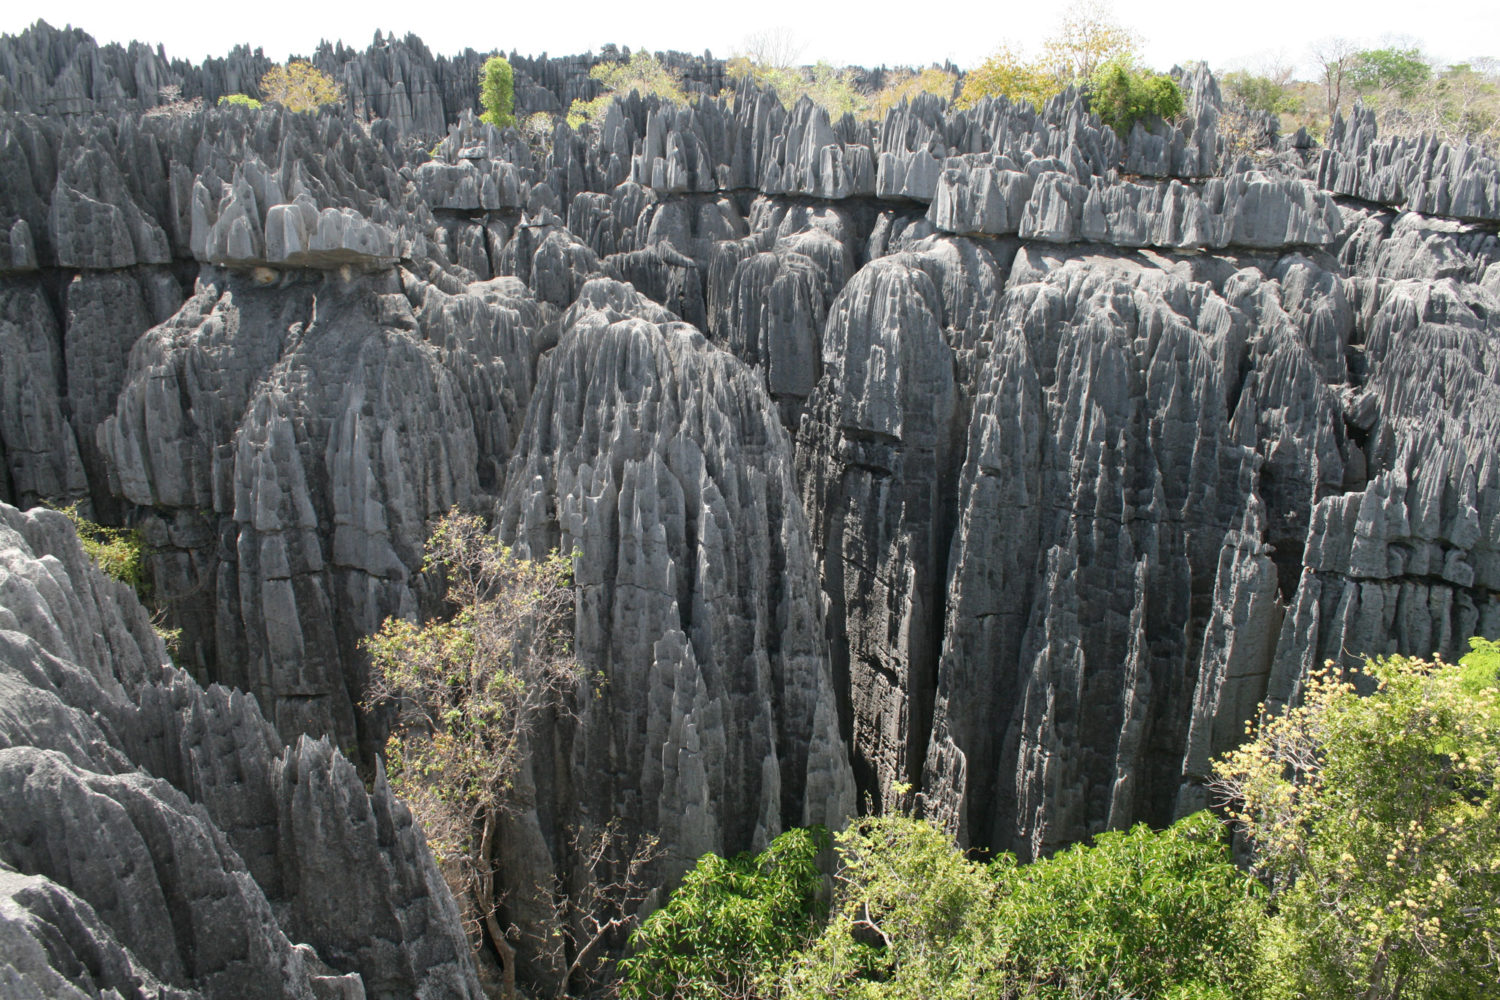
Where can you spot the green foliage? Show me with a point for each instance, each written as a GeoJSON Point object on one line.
{"type": "Point", "coordinates": [497, 92]}
{"type": "Point", "coordinates": [1008, 74]}
{"type": "Point", "coordinates": [239, 101]}
{"type": "Point", "coordinates": [1085, 39]}
{"type": "Point", "coordinates": [1271, 94]}
{"type": "Point", "coordinates": [1137, 914]}
{"type": "Point", "coordinates": [822, 83]}
{"type": "Point", "coordinates": [1376, 819]}
{"type": "Point", "coordinates": [642, 73]}
{"type": "Point", "coordinates": [300, 86]}
{"type": "Point", "coordinates": [731, 922]}
{"type": "Point", "coordinates": [121, 553]}
{"type": "Point", "coordinates": [1122, 95]}
{"type": "Point", "coordinates": [1402, 71]}
{"type": "Point", "coordinates": [466, 691]}
{"type": "Point", "coordinates": [833, 90]}
{"type": "Point", "coordinates": [118, 552]}
{"type": "Point", "coordinates": [905, 87]}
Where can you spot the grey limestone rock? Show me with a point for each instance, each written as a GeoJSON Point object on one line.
{"type": "Point", "coordinates": [292, 440]}
{"type": "Point", "coordinates": [41, 453]}
{"type": "Point", "coordinates": [157, 837]}
{"type": "Point", "coordinates": [19, 251]}
{"type": "Point", "coordinates": [875, 459]}
{"type": "Point", "coordinates": [57, 948]}
{"type": "Point", "coordinates": [659, 460]}
{"type": "Point", "coordinates": [106, 312]}
{"type": "Point", "coordinates": [1424, 175]}
{"type": "Point", "coordinates": [1046, 454]}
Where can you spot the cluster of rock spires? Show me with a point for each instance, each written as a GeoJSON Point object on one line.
{"type": "Point", "coordinates": [980, 451]}
{"type": "Point", "coordinates": [159, 840]}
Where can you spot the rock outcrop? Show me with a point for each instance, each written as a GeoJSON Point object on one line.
{"type": "Point", "coordinates": [658, 461]}
{"type": "Point", "coordinates": [983, 451]}
{"type": "Point", "coordinates": [157, 838]}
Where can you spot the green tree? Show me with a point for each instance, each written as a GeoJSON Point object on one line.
{"type": "Point", "coordinates": [1121, 95]}
{"type": "Point", "coordinates": [300, 86]}
{"type": "Point", "coordinates": [732, 922]}
{"type": "Point", "coordinates": [1268, 92]}
{"type": "Point", "coordinates": [1402, 71]}
{"type": "Point", "coordinates": [466, 691]}
{"type": "Point", "coordinates": [1138, 913]}
{"type": "Point", "coordinates": [1007, 73]}
{"type": "Point", "coordinates": [1376, 819]}
{"type": "Point", "coordinates": [642, 73]}
{"type": "Point", "coordinates": [497, 92]}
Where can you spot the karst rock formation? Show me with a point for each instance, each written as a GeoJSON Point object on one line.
{"type": "Point", "coordinates": [979, 460]}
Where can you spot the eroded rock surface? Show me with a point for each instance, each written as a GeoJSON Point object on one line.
{"type": "Point", "coordinates": [654, 457]}
{"type": "Point", "coordinates": [984, 451]}
{"type": "Point", "coordinates": [157, 838]}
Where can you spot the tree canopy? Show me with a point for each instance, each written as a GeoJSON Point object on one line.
{"type": "Point", "coordinates": [1376, 819]}
{"type": "Point", "coordinates": [497, 92]}
{"type": "Point", "coordinates": [466, 690]}
{"type": "Point", "coordinates": [300, 86]}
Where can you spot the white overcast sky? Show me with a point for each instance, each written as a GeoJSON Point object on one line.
{"type": "Point", "coordinates": [864, 32]}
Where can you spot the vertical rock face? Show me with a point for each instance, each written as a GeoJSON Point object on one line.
{"type": "Point", "coordinates": [875, 457]}
{"type": "Point", "coordinates": [1099, 483]}
{"type": "Point", "coordinates": [157, 838]}
{"type": "Point", "coordinates": [657, 460]}
{"type": "Point", "coordinates": [292, 441]}
{"type": "Point", "coordinates": [41, 452]}
{"type": "Point", "coordinates": [106, 312]}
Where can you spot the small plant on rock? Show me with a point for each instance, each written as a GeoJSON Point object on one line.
{"type": "Point", "coordinates": [497, 92]}
{"type": "Point", "coordinates": [240, 101]}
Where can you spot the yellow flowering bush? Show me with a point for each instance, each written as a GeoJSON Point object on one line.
{"type": "Point", "coordinates": [1376, 819]}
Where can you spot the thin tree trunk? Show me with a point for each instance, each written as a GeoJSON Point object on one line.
{"type": "Point", "coordinates": [485, 889]}
{"type": "Point", "coordinates": [1377, 972]}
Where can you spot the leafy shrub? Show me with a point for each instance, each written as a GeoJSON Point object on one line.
{"type": "Point", "coordinates": [497, 92]}
{"type": "Point", "coordinates": [121, 553]}
{"type": "Point", "coordinates": [239, 101]}
{"type": "Point", "coordinates": [833, 90]}
{"type": "Point", "coordinates": [1376, 818]}
{"type": "Point", "coordinates": [300, 86]}
{"type": "Point", "coordinates": [118, 552]}
{"type": "Point", "coordinates": [1139, 913]}
{"type": "Point", "coordinates": [1258, 92]}
{"type": "Point", "coordinates": [907, 86]}
{"type": "Point", "coordinates": [731, 922]}
{"type": "Point", "coordinates": [1401, 71]}
{"type": "Point", "coordinates": [642, 73]}
{"type": "Point", "coordinates": [1008, 74]}
{"type": "Point", "coordinates": [1122, 95]}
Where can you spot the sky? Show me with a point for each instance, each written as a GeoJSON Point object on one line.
{"type": "Point", "coordinates": [1228, 36]}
